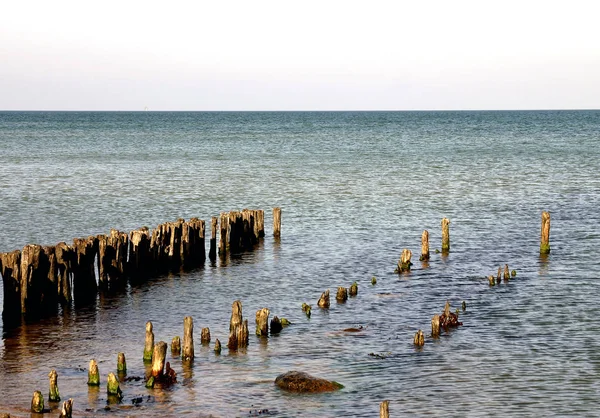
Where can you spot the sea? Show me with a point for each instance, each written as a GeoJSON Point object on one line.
{"type": "Point", "coordinates": [355, 189]}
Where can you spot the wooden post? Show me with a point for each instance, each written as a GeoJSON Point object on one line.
{"type": "Point", "coordinates": [276, 325]}
{"type": "Point", "coordinates": [306, 308]}
{"type": "Point", "coordinates": [217, 346]}
{"type": "Point", "coordinates": [140, 258]}
{"type": "Point", "coordinates": [50, 283]}
{"type": "Point", "coordinates": [277, 222]}
{"type": "Point", "coordinates": [238, 328]}
{"type": "Point", "coordinates": [384, 411]}
{"type": "Point", "coordinates": [353, 291]}
{"type": "Point", "coordinates": [112, 386]}
{"type": "Point", "coordinates": [324, 300]}
{"type": "Point", "coordinates": [341, 295]}
{"type": "Point", "coordinates": [435, 326]}
{"type": "Point", "coordinates": [31, 294]}
{"type": "Point", "coordinates": [65, 257]}
{"type": "Point", "coordinates": [158, 359]}
{"type": "Point", "coordinates": [176, 346]}
{"type": "Point", "coordinates": [54, 395]}
{"type": "Point", "coordinates": [445, 235]}
{"type": "Point", "coordinates": [545, 239]}
{"type": "Point", "coordinates": [85, 287]}
{"type": "Point", "coordinates": [223, 234]}
{"type": "Point", "coordinates": [260, 223]}
{"type": "Point", "coordinates": [419, 339]}
{"type": "Point", "coordinates": [67, 409]}
{"type": "Point", "coordinates": [236, 227]}
{"type": "Point", "coordinates": [37, 402]}
{"type": "Point", "coordinates": [93, 374]}
{"type": "Point", "coordinates": [121, 363]}
{"type": "Point", "coordinates": [205, 336]}
{"type": "Point", "coordinates": [212, 253]}
{"type": "Point", "coordinates": [106, 254]}
{"type": "Point", "coordinates": [148, 343]}
{"type": "Point", "coordinates": [10, 268]}
{"type": "Point", "coordinates": [188, 339]}
{"type": "Point", "coordinates": [424, 246]}
{"type": "Point", "coordinates": [506, 273]}
{"type": "Point", "coordinates": [491, 280]}
{"type": "Point", "coordinates": [262, 322]}
{"type": "Point", "coordinates": [404, 262]}
{"type": "Point", "coordinates": [499, 276]}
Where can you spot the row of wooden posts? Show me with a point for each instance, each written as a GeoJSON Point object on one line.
{"type": "Point", "coordinates": [38, 278]}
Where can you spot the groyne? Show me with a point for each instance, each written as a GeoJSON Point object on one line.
{"type": "Point", "coordinates": [39, 278]}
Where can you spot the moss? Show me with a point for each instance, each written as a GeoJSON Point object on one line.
{"type": "Point", "coordinates": [373, 280]}
{"type": "Point", "coordinates": [150, 382]}
{"type": "Point", "coordinates": [544, 248]}
{"type": "Point", "coordinates": [513, 273]}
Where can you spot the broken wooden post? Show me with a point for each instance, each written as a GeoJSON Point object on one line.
{"type": "Point", "coordinates": [306, 309]}
{"type": "Point", "coordinates": [324, 300]}
{"type": "Point", "coordinates": [404, 262]}
{"type": "Point", "coordinates": [121, 363]}
{"type": "Point", "coordinates": [384, 411]}
{"type": "Point", "coordinates": [50, 283]}
{"type": "Point", "coordinates": [276, 325]}
{"type": "Point", "coordinates": [67, 409]}
{"type": "Point", "coordinates": [260, 223]}
{"type": "Point", "coordinates": [112, 386]}
{"type": "Point", "coordinates": [85, 287]}
{"type": "Point", "coordinates": [148, 343]}
{"type": "Point", "coordinates": [435, 326]}
{"type": "Point", "coordinates": [31, 278]}
{"type": "Point", "coordinates": [176, 346]}
{"type": "Point", "coordinates": [545, 238]}
{"type": "Point", "coordinates": [499, 276]}
{"type": "Point", "coordinates": [236, 227]}
{"type": "Point", "coordinates": [205, 336]}
{"type": "Point", "coordinates": [506, 273]}
{"type": "Point", "coordinates": [217, 346]}
{"type": "Point", "coordinates": [188, 339]}
{"type": "Point", "coordinates": [419, 339]}
{"type": "Point", "coordinates": [140, 258]}
{"type": "Point", "coordinates": [223, 233]}
{"type": "Point", "coordinates": [262, 322]}
{"type": "Point", "coordinates": [65, 257]}
{"type": "Point", "coordinates": [277, 222]}
{"type": "Point", "coordinates": [54, 395]}
{"type": "Point", "coordinates": [238, 328]}
{"type": "Point", "coordinates": [10, 268]}
{"type": "Point", "coordinates": [353, 291]}
{"type": "Point", "coordinates": [158, 359]}
{"type": "Point", "coordinates": [341, 295]}
{"type": "Point", "coordinates": [212, 253]}
{"type": "Point", "coordinates": [491, 280]}
{"type": "Point", "coordinates": [37, 402]}
{"type": "Point", "coordinates": [93, 374]}
{"type": "Point", "coordinates": [424, 246]}
{"type": "Point", "coordinates": [445, 235]}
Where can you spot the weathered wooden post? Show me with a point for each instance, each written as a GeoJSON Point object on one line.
{"type": "Point", "coordinates": [112, 386]}
{"type": "Point", "coordinates": [341, 295]}
{"type": "Point", "coordinates": [93, 374]}
{"type": "Point", "coordinates": [10, 268]}
{"type": "Point", "coordinates": [223, 233]}
{"type": "Point", "coordinates": [260, 223]}
{"type": "Point", "coordinates": [499, 276]}
{"type": "Point", "coordinates": [404, 262]}
{"type": "Point", "coordinates": [176, 229]}
{"type": "Point", "coordinates": [67, 409]}
{"type": "Point", "coordinates": [176, 346]}
{"type": "Point", "coordinates": [238, 328]}
{"type": "Point", "coordinates": [262, 322]}
{"type": "Point", "coordinates": [65, 257]}
{"type": "Point", "coordinates": [31, 293]}
{"type": "Point", "coordinates": [276, 325]}
{"type": "Point", "coordinates": [212, 253]}
{"type": "Point", "coordinates": [545, 238]}
{"type": "Point", "coordinates": [236, 227]}
{"type": "Point", "coordinates": [424, 246]}
{"type": "Point", "coordinates": [384, 411]}
{"type": "Point", "coordinates": [85, 287]}
{"type": "Point", "coordinates": [506, 273]}
{"type": "Point", "coordinates": [106, 258]}
{"type": "Point", "coordinates": [205, 336]}
{"type": "Point", "coordinates": [121, 363]}
{"type": "Point", "coordinates": [217, 346]}
{"type": "Point", "coordinates": [353, 291]}
{"type": "Point", "coordinates": [435, 326]}
{"type": "Point", "coordinates": [50, 284]}
{"type": "Point", "coordinates": [324, 300]}
{"type": "Point", "coordinates": [277, 222]}
{"type": "Point", "coordinates": [140, 260]}
{"type": "Point", "coordinates": [54, 395]}
{"type": "Point", "coordinates": [445, 235]}
{"type": "Point", "coordinates": [158, 359]}
{"type": "Point", "coordinates": [491, 280]}
{"type": "Point", "coordinates": [419, 339]}
{"type": "Point", "coordinates": [37, 402]}
{"type": "Point", "coordinates": [306, 308]}
{"type": "Point", "coordinates": [188, 339]}
{"type": "Point", "coordinates": [148, 343]}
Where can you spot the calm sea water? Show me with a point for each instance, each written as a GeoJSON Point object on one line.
{"type": "Point", "coordinates": [355, 189]}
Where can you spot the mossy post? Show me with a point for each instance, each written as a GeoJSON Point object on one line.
{"type": "Point", "coordinates": [149, 343]}
{"type": "Point", "coordinates": [54, 395]}
{"type": "Point", "coordinates": [67, 409]}
{"type": "Point", "coordinates": [499, 276]}
{"type": "Point", "coordinates": [217, 346]}
{"type": "Point", "coordinates": [445, 235]}
{"type": "Point", "coordinates": [212, 252]}
{"type": "Point", "coordinates": [188, 339]}
{"type": "Point", "coordinates": [419, 339]}
{"type": "Point", "coordinates": [404, 263]}
{"type": "Point", "coordinates": [506, 273]}
{"type": "Point", "coordinates": [276, 325]}
{"type": "Point", "coordinates": [384, 409]}
{"type": "Point", "coordinates": [112, 386]}
{"type": "Point", "coordinates": [121, 363]}
{"type": "Point", "coordinates": [341, 295]}
{"type": "Point", "coordinates": [93, 374]}
{"type": "Point", "coordinates": [176, 346]}
{"type": "Point", "coordinates": [277, 222]}
{"type": "Point", "coordinates": [545, 238]}
{"type": "Point", "coordinates": [491, 280]}
{"type": "Point", "coordinates": [424, 246]}
{"type": "Point", "coordinates": [37, 402]}
{"type": "Point", "coordinates": [353, 291]}
{"type": "Point", "coordinates": [205, 336]}
{"type": "Point", "coordinates": [324, 300]}
{"type": "Point", "coordinates": [435, 326]}
{"type": "Point", "coordinates": [262, 322]}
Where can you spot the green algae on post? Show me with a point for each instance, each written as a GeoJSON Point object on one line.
{"type": "Point", "coordinates": [353, 291]}
{"type": "Point", "coordinates": [121, 363]}
{"type": "Point", "coordinates": [373, 280]}
{"type": "Point", "coordinates": [342, 295]}
{"type": "Point", "coordinates": [404, 263]}
{"type": "Point", "coordinates": [306, 309]}
{"type": "Point", "coordinates": [148, 343]}
{"type": "Point", "coordinates": [93, 374]}
{"type": "Point", "coordinates": [37, 402]}
{"type": "Point", "coordinates": [54, 395]}
{"type": "Point", "coordinates": [112, 386]}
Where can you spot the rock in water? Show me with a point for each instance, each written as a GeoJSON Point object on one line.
{"type": "Point", "coordinates": [301, 382]}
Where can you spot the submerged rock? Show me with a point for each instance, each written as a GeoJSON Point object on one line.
{"type": "Point", "coordinates": [301, 382]}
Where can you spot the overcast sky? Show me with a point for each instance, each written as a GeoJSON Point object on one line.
{"type": "Point", "coordinates": [299, 55]}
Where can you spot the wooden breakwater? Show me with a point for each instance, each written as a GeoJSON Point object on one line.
{"type": "Point", "coordinates": [38, 278]}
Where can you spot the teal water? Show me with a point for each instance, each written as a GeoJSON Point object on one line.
{"type": "Point", "coordinates": [355, 189]}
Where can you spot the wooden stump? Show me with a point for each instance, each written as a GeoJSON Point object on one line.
{"type": "Point", "coordinates": [112, 386]}
{"type": "Point", "coordinates": [188, 339]}
{"type": "Point", "coordinates": [238, 328]}
{"type": "Point", "coordinates": [545, 236]}
{"type": "Point", "coordinates": [236, 228]}
{"type": "Point", "coordinates": [260, 223]}
{"type": "Point", "coordinates": [93, 374]}
{"type": "Point", "coordinates": [445, 235]}
{"type": "Point", "coordinates": [499, 276]}
{"type": "Point", "coordinates": [324, 300]}
{"type": "Point", "coordinates": [506, 273]}
{"type": "Point", "coordinates": [67, 409]}
{"type": "Point", "coordinates": [217, 346]}
{"type": "Point", "coordinates": [276, 325]}
{"type": "Point", "coordinates": [223, 234]}
{"type": "Point", "coordinates": [37, 402]}
{"type": "Point", "coordinates": [205, 336]}
{"type": "Point", "coordinates": [384, 411]}
{"type": "Point", "coordinates": [158, 359]}
{"type": "Point", "coordinates": [176, 346]}
{"type": "Point", "coordinates": [65, 256]}
{"type": "Point", "coordinates": [404, 262]}
{"type": "Point", "coordinates": [31, 279]}
{"type": "Point", "coordinates": [121, 363]}
{"type": "Point", "coordinates": [277, 222]}
{"type": "Point", "coordinates": [85, 287]}
{"type": "Point", "coordinates": [212, 253]}
{"type": "Point", "coordinates": [435, 326]}
{"type": "Point", "coordinates": [10, 268]}
{"type": "Point", "coordinates": [491, 280]}
{"type": "Point", "coordinates": [54, 395]}
{"type": "Point", "coordinates": [419, 339]}
{"type": "Point", "coordinates": [262, 322]}
{"type": "Point", "coordinates": [306, 309]}
{"type": "Point", "coordinates": [140, 257]}
{"type": "Point", "coordinates": [341, 295]}
{"type": "Point", "coordinates": [424, 246]}
{"type": "Point", "coordinates": [148, 343]}
{"type": "Point", "coordinates": [353, 291]}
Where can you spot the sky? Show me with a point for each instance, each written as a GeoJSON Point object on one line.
{"type": "Point", "coordinates": [299, 55]}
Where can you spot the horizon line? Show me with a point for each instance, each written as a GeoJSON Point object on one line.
{"type": "Point", "coordinates": [307, 110]}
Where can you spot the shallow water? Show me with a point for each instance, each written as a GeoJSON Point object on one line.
{"type": "Point", "coordinates": [355, 189]}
